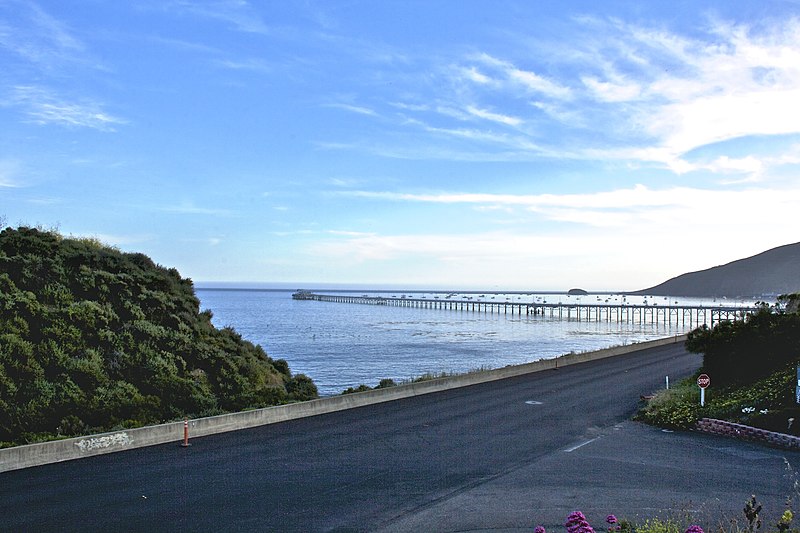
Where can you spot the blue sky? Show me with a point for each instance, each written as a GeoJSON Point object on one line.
{"type": "Point", "coordinates": [455, 144]}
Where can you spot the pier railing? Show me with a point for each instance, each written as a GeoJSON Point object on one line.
{"type": "Point", "coordinates": [682, 315]}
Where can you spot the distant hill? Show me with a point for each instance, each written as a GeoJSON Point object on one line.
{"type": "Point", "coordinates": [774, 272]}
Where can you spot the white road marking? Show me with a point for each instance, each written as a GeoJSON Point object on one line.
{"type": "Point", "coordinates": [582, 444]}
{"type": "Point", "coordinates": [533, 402]}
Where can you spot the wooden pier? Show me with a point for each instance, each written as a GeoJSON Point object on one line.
{"type": "Point", "coordinates": [680, 315]}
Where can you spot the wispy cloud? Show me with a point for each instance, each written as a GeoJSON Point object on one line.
{"type": "Point", "coordinates": [608, 208]}
{"type": "Point", "coordinates": [616, 228]}
{"type": "Point", "coordinates": [613, 91]}
{"type": "Point", "coordinates": [627, 91]}
{"type": "Point", "coordinates": [526, 79]}
{"type": "Point", "coordinates": [237, 14]}
{"type": "Point", "coordinates": [46, 200]}
{"type": "Point", "coordinates": [207, 241]}
{"type": "Point", "coordinates": [251, 64]}
{"type": "Point", "coordinates": [9, 172]}
{"type": "Point", "coordinates": [736, 82]}
{"type": "Point", "coordinates": [44, 107]}
{"type": "Point", "coordinates": [33, 34]}
{"type": "Point", "coordinates": [188, 208]}
{"type": "Point", "coordinates": [361, 110]}
{"type": "Point", "coordinates": [494, 117]}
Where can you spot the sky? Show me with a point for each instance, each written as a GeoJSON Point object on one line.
{"type": "Point", "coordinates": [525, 145]}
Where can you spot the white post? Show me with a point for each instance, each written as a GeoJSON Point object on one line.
{"type": "Point", "coordinates": [702, 397]}
{"type": "Point", "coordinates": [667, 382]}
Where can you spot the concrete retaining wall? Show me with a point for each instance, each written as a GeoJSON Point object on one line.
{"type": "Point", "coordinates": [740, 431]}
{"type": "Point", "coordinates": [76, 448]}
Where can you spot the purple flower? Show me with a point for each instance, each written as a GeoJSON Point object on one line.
{"type": "Point", "coordinates": [577, 523]}
{"type": "Point", "coordinates": [611, 519]}
{"type": "Point", "coordinates": [694, 529]}
{"type": "Point", "coordinates": [539, 529]}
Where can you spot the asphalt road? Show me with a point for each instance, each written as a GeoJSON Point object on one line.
{"type": "Point", "coordinates": [497, 456]}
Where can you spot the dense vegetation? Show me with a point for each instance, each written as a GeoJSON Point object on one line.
{"type": "Point", "coordinates": [753, 370]}
{"type": "Point", "coordinates": [92, 339]}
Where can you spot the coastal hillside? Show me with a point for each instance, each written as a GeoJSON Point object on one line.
{"type": "Point", "coordinates": [93, 339]}
{"type": "Point", "coordinates": [770, 273]}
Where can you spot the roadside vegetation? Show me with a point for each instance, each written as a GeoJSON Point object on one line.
{"type": "Point", "coordinates": [427, 376]}
{"type": "Point", "coordinates": [93, 339]}
{"type": "Point", "coordinates": [753, 518]}
{"type": "Point", "coordinates": [753, 369]}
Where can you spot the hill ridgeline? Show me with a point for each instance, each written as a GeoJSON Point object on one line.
{"type": "Point", "coordinates": [768, 274]}
{"type": "Point", "coordinates": [92, 339]}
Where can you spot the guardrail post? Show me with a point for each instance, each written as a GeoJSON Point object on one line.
{"type": "Point", "coordinates": [185, 433]}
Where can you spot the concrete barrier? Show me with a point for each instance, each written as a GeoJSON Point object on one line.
{"type": "Point", "coordinates": [75, 448]}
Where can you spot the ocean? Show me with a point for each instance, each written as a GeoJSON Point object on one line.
{"type": "Point", "coordinates": [343, 345]}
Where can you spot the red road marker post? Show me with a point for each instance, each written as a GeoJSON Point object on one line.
{"type": "Point", "coordinates": [185, 433]}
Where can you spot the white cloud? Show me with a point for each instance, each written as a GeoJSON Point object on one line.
{"type": "Point", "coordinates": [494, 117]}
{"type": "Point", "coordinates": [188, 208]}
{"type": "Point", "coordinates": [237, 14]}
{"type": "Point", "coordinates": [43, 107]}
{"type": "Point", "coordinates": [749, 165]}
{"type": "Point", "coordinates": [9, 172]}
{"type": "Point", "coordinates": [619, 207]}
{"type": "Point", "coordinates": [360, 110]}
{"type": "Point", "coordinates": [472, 74]}
{"type": "Point", "coordinates": [646, 94]}
{"type": "Point", "coordinates": [252, 64]}
{"type": "Point", "coordinates": [527, 79]}
{"type": "Point", "coordinates": [607, 91]}
{"type": "Point", "coordinates": [117, 239]}
{"type": "Point", "coordinates": [619, 239]}
{"type": "Point", "coordinates": [39, 37]}
{"type": "Point", "coordinates": [539, 84]}
{"type": "Point", "coordinates": [739, 84]}
{"type": "Point", "coordinates": [410, 107]}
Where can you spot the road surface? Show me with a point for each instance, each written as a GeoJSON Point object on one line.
{"type": "Point", "coordinates": [501, 456]}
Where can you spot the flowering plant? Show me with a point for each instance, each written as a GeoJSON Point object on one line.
{"type": "Point", "coordinates": [785, 521]}
{"type": "Point", "coordinates": [577, 523]}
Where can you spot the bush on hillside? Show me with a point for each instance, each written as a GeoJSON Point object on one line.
{"type": "Point", "coordinates": [752, 365]}
{"type": "Point", "coordinates": [92, 339]}
{"type": "Point", "coordinates": [742, 352]}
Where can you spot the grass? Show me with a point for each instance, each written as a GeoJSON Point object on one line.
{"type": "Point", "coordinates": [768, 403]}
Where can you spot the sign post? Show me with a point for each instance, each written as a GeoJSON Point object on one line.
{"type": "Point", "coordinates": [797, 388]}
{"type": "Point", "coordinates": [703, 381]}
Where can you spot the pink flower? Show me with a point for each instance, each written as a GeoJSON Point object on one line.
{"type": "Point", "coordinates": [577, 523]}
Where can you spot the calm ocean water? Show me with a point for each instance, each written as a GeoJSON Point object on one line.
{"type": "Point", "coordinates": [343, 345]}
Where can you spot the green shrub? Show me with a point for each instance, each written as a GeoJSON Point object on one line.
{"type": "Point", "coordinates": [658, 525]}
{"type": "Point", "coordinates": [742, 352]}
{"type": "Point", "coordinates": [676, 408]}
{"type": "Point", "coordinates": [360, 388]}
{"type": "Point", "coordinates": [92, 339]}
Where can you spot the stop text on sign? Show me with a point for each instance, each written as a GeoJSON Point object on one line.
{"type": "Point", "coordinates": [703, 381]}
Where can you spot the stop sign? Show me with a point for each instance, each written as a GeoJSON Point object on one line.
{"type": "Point", "coordinates": [703, 381]}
